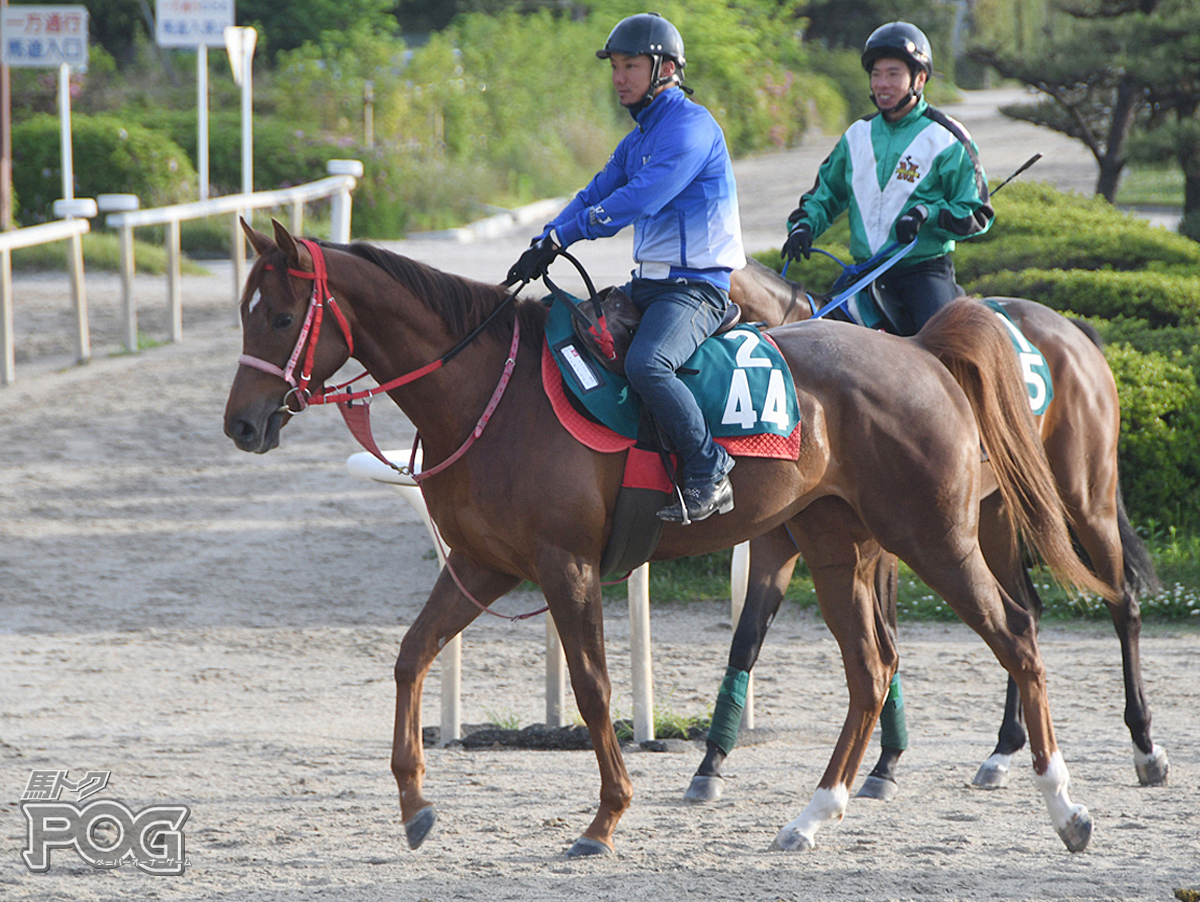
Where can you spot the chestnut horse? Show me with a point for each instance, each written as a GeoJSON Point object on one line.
{"type": "Point", "coordinates": [889, 459]}
{"type": "Point", "coordinates": [1079, 432]}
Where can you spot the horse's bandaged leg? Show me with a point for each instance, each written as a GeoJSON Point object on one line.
{"type": "Point", "coordinates": [727, 715]}
{"type": "Point", "coordinates": [828, 806]}
{"type": "Point", "coordinates": [892, 725]}
{"type": "Point", "coordinates": [1073, 823]}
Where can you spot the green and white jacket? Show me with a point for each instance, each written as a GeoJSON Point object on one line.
{"type": "Point", "coordinates": [880, 170]}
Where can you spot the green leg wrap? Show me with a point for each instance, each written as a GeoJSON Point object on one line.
{"type": "Point", "coordinates": [727, 715]}
{"type": "Point", "coordinates": [891, 721]}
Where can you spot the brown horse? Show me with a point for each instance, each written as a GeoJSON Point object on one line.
{"type": "Point", "coordinates": [889, 460]}
{"type": "Point", "coordinates": [1079, 432]}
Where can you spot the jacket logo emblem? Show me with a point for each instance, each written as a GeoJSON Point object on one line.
{"type": "Point", "coordinates": [597, 215]}
{"type": "Point", "coordinates": [908, 170]}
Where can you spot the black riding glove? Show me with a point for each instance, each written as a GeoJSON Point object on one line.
{"type": "Point", "coordinates": [534, 263]}
{"type": "Point", "coordinates": [909, 224]}
{"type": "Point", "coordinates": [799, 242]}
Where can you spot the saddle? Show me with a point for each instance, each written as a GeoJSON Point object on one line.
{"type": "Point", "coordinates": [620, 318]}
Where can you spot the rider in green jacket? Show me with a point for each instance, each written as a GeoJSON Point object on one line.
{"type": "Point", "coordinates": [908, 173]}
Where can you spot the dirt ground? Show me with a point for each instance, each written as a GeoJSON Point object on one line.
{"type": "Point", "coordinates": [218, 629]}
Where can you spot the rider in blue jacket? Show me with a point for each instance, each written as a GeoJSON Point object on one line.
{"type": "Point", "coordinates": [672, 180]}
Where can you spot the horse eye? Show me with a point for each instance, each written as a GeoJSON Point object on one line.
{"type": "Point", "coordinates": [282, 320]}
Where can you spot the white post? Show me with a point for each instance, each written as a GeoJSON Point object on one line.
{"type": "Point", "coordinates": [64, 119]}
{"type": "Point", "coordinates": [238, 244]}
{"type": "Point", "coordinates": [556, 677]}
{"type": "Point", "coordinates": [128, 305]}
{"type": "Point", "coordinates": [641, 677]}
{"type": "Point", "coordinates": [247, 121]}
{"type": "Point", "coordinates": [339, 204]}
{"type": "Point", "coordinates": [174, 283]}
{"type": "Point", "coordinates": [202, 122]}
{"type": "Point", "coordinates": [8, 365]}
{"type": "Point", "coordinates": [739, 581]}
{"type": "Point", "coordinates": [83, 341]}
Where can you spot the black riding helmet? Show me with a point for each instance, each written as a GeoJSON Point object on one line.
{"type": "Point", "coordinates": [651, 35]}
{"type": "Point", "coordinates": [899, 40]}
{"type": "Point", "coordinates": [902, 41]}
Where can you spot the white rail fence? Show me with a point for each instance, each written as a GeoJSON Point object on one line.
{"type": "Point", "coordinates": [343, 178]}
{"type": "Point", "coordinates": [365, 466]}
{"type": "Point", "coordinates": [71, 230]}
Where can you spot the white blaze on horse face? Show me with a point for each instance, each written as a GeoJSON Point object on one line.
{"type": "Point", "coordinates": [254, 299]}
{"type": "Point", "coordinates": [828, 806]}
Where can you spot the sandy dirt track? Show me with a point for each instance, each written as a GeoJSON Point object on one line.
{"type": "Point", "coordinates": [218, 630]}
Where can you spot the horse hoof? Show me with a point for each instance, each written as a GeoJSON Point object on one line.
{"type": "Point", "coordinates": [418, 827]}
{"type": "Point", "coordinates": [1152, 769]}
{"type": "Point", "coordinates": [584, 847]}
{"type": "Point", "coordinates": [878, 788]}
{"type": "Point", "coordinates": [992, 774]}
{"type": "Point", "coordinates": [790, 840]}
{"type": "Point", "coordinates": [705, 789]}
{"type": "Point", "coordinates": [1078, 831]}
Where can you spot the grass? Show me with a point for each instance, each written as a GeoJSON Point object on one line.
{"type": "Point", "coordinates": [1151, 187]}
{"type": "Point", "coordinates": [1176, 558]}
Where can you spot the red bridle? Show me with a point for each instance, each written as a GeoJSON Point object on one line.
{"type": "Point", "coordinates": [357, 416]}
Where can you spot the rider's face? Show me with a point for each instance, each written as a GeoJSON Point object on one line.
{"type": "Point", "coordinates": [631, 76]}
{"type": "Point", "coordinates": [890, 81]}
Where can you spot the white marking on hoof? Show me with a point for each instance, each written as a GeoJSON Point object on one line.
{"type": "Point", "coordinates": [705, 789]}
{"type": "Point", "coordinates": [1152, 769]}
{"type": "Point", "coordinates": [993, 773]}
{"type": "Point", "coordinates": [1073, 823]}
{"type": "Point", "coordinates": [827, 806]}
{"type": "Point", "coordinates": [585, 847]}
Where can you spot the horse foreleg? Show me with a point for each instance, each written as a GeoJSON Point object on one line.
{"type": "Point", "coordinates": [446, 612]}
{"type": "Point", "coordinates": [843, 559]}
{"type": "Point", "coordinates": [772, 560]}
{"type": "Point", "coordinates": [572, 589]}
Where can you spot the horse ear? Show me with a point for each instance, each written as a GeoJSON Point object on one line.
{"type": "Point", "coordinates": [298, 256]}
{"type": "Point", "coordinates": [260, 242]}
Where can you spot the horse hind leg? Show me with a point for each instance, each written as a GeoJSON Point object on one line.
{"type": "Point", "coordinates": [445, 614]}
{"type": "Point", "coordinates": [772, 561]}
{"type": "Point", "coordinates": [1008, 629]}
{"type": "Point", "coordinates": [1119, 556]}
{"type": "Point", "coordinates": [881, 783]}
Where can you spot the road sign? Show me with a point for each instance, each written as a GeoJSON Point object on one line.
{"type": "Point", "coordinates": [44, 36]}
{"type": "Point", "coordinates": [192, 23]}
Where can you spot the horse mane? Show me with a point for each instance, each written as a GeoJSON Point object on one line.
{"type": "Point", "coordinates": [462, 303]}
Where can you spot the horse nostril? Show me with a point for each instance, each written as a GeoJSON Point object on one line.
{"type": "Point", "coordinates": [242, 431]}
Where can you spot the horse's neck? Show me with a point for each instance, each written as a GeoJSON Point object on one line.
{"type": "Point", "coordinates": [445, 403]}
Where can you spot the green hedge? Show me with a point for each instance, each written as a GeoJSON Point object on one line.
{"type": "Point", "coordinates": [110, 155]}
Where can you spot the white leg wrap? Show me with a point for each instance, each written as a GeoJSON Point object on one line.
{"type": "Point", "coordinates": [1072, 822]}
{"type": "Point", "coordinates": [827, 806]}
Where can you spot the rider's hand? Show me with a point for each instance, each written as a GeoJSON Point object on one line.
{"type": "Point", "coordinates": [534, 263]}
{"type": "Point", "coordinates": [909, 224]}
{"type": "Point", "coordinates": [799, 242]}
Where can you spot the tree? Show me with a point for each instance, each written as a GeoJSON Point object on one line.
{"type": "Point", "coordinates": [1080, 65]}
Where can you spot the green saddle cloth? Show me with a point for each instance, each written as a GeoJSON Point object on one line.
{"type": "Point", "coordinates": [1033, 365]}
{"type": "Point", "coordinates": [739, 378]}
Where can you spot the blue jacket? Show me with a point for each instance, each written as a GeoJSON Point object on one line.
{"type": "Point", "coordinates": [672, 179]}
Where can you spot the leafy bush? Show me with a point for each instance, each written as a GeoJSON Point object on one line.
{"type": "Point", "coordinates": [110, 155]}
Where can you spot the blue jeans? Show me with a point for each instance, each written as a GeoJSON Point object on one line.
{"type": "Point", "coordinates": [676, 318]}
{"type": "Point", "coordinates": [911, 295]}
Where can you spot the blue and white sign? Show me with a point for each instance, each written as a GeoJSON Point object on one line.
{"type": "Point", "coordinates": [191, 23]}
{"type": "Point", "coordinates": [46, 36]}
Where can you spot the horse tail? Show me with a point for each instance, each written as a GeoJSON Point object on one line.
{"type": "Point", "coordinates": [974, 346]}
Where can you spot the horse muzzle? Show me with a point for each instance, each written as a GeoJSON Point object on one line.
{"type": "Point", "coordinates": [257, 432]}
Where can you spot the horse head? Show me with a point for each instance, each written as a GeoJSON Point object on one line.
{"type": "Point", "coordinates": [283, 348]}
